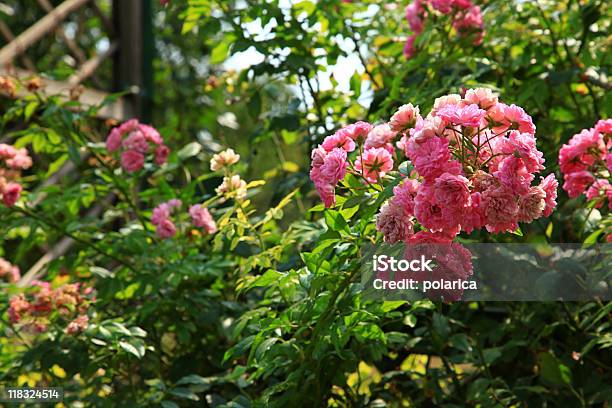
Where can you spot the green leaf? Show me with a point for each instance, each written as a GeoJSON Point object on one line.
{"type": "Point", "coordinates": [389, 305]}
{"type": "Point", "coordinates": [221, 51]}
{"type": "Point", "coordinates": [552, 371]}
{"type": "Point", "coordinates": [184, 393]}
{"type": "Point", "coordinates": [335, 221]}
{"type": "Point", "coordinates": [137, 350]}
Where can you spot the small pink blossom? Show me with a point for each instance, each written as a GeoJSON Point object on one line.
{"type": "Point", "coordinates": [380, 136]}
{"type": "Point", "coordinates": [136, 141]}
{"type": "Point", "coordinates": [577, 182]}
{"type": "Point", "coordinates": [516, 118]}
{"type": "Point", "coordinates": [393, 223]}
{"type": "Point", "coordinates": [334, 166]}
{"type": "Point", "coordinates": [132, 161]}
{"type": "Point", "coordinates": [78, 325]}
{"type": "Point", "coordinates": [374, 164]}
{"type": "Point", "coordinates": [483, 97]}
{"type": "Point", "coordinates": [165, 229]}
{"type": "Point", "coordinates": [11, 194]}
{"type": "Point", "coordinates": [338, 140]}
{"type": "Point", "coordinates": [404, 194]}
{"type": "Point", "coordinates": [470, 115]}
{"type": "Point", "coordinates": [161, 154]}
{"type": "Point", "coordinates": [357, 131]}
{"type": "Point", "coordinates": [404, 118]}
{"type": "Point", "coordinates": [599, 191]}
{"type": "Point", "coordinates": [151, 134]}
{"type": "Point", "coordinates": [501, 210]}
{"type": "Point", "coordinates": [532, 204]}
{"type": "Point", "coordinates": [604, 126]}
{"type": "Point", "coordinates": [200, 216]}
{"type": "Point", "coordinates": [514, 175]}
{"type": "Point", "coordinates": [414, 16]}
{"type": "Point", "coordinates": [113, 141]}
{"type": "Point", "coordinates": [549, 184]}
{"type": "Point", "coordinates": [443, 6]}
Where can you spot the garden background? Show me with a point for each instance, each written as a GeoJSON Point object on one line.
{"type": "Point", "coordinates": [253, 303]}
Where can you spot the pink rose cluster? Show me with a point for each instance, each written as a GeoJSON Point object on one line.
{"type": "Point", "coordinates": [9, 271]}
{"type": "Point", "coordinates": [12, 161]}
{"type": "Point", "coordinates": [35, 310]}
{"type": "Point", "coordinates": [466, 19]}
{"type": "Point", "coordinates": [166, 228]}
{"type": "Point", "coordinates": [475, 159]}
{"type": "Point", "coordinates": [586, 163]}
{"type": "Point", "coordinates": [330, 160]}
{"type": "Point", "coordinates": [135, 141]}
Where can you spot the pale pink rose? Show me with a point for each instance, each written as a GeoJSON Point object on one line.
{"type": "Point", "coordinates": [339, 140]}
{"type": "Point", "coordinates": [531, 205]}
{"type": "Point", "coordinates": [604, 126]}
{"type": "Point", "coordinates": [20, 160]}
{"type": "Point", "coordinates": [483, 97]}
{"type": "Point", "coordinates": [161, 154]}
{"type": "Point", "coordinates": [334, 166]}
{"type": "Point", "coordinates": [516, 118]}
{"type": "Point", "coordinates": [501, 210]}
{"type": "Point", "coordinates": [113, 141]}
{"type": "Point", "coordinates": [151, 134]}
{"type": "Point", "coordinates": [129, 126]}
{"type": "Point", "coordinates": [160, 213]}
{"type": "Point", "coordinates": [432, 126]}
{"type": "Point", "coordinates": [443, 101]}
{"type": "Point", "coordinates": [609, 162]}
{"type": "Point", "coordinates": [165, 229]}
{"type": "Point", "coordinates": [549, 185]}
{"type": "Point", "coordinates": [599, 191]}
{"type": "Point", "coordinates": [357, 131]}
{"type": "Point", "coordinates": [132, 161]}
{"type": "Point", "coordinates": [78, 325]}
{"type": "Point", "coordinates": [234, 185]}
{"type": "Point", "coordinates": [136, 141]}
{"type": "Point", "coordinates": [374, 164]}
{"type": "Point", "coordinates": [200, 217]}
{"type": "Point", "coordinates": [393, 223]}
{"type": "Point", "coordinates": [224, 159]}
{"type": "Point", "coordinates": [470, 115]}
{"type": "Point", "coordinates": [404, 118]}
{"type": "Point", "coordinates": [7, 151]}
{"type": "Point", "coordinates": [582, 151]}
{"type": "Point", "coordinates": [468, 21]}
{"type": "Point", "coordinates": [318, 156]}
{"type": "Point", "coordinates": [577, 182]}
{"type": "Point", "coordinates": [11, 194]}
{"type": "Point", "coordinates": [380, 136]}
{"type": "Point", "coordinates": [430, 158]}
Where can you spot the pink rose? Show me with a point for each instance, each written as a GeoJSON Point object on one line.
{"type": "Point", "coordinates": [132, 161]}
{"type": "Point", "coordinates": [404, 118]}
{"type": "Point", "coordinates": [161, 154]}
{"type": "Point", "coordinates": [600, 190]}
{"type": "Point", "coordinates": [380, 136]}
{"type": "Point", "coordinates": [577, 182]}
{"type": "Point", "coordinates": [334, 166]}
{"type": "Point", "coordinates": [393, 223]}
{"type": "Point", "coordinates": [549, 185]}
{"type": "Point", "coordinates": [113, 141]}
{"type": "Point", "coordinates": [151, 134]}
{"type": "Point", "coordinates": [483, 97]}
{"type": "Point", "coordinates": [531, 205]}
{"type": "Point", "coordinates": [338, 140]}
{"type": "Point", "coordinates": [136, 141]}
{"type": "Point", "coordinates": [202, 218]}
{"type": "Point", "coordinates": [11, 193]}
{"type": "Point", "coordinates": [165, 229]}
{"type": "Point", "coordinates": [409, 47]}
{"type": "Point", "coordinates": [374, 164]}
{"type": "Point", "coordinates": [501, 210]}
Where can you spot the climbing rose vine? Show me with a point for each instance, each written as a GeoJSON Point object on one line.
{"type": "Point", "coordinates": [472, 162]}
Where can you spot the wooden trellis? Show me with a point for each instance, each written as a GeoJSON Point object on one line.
{"type": "Point", "coordinates": [129, 45]}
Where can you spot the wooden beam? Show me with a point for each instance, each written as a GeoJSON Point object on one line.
{"type": "Point", "coordinates": [38, 30]}
{"type": "Point", "coordinates": [120, 109]}
{"type": "Point", "coordinates": [90, 66]}
{"type": "Point", "coordinates": [72, 46]}
{"type": "Point", "coordinates": [9, 36]}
